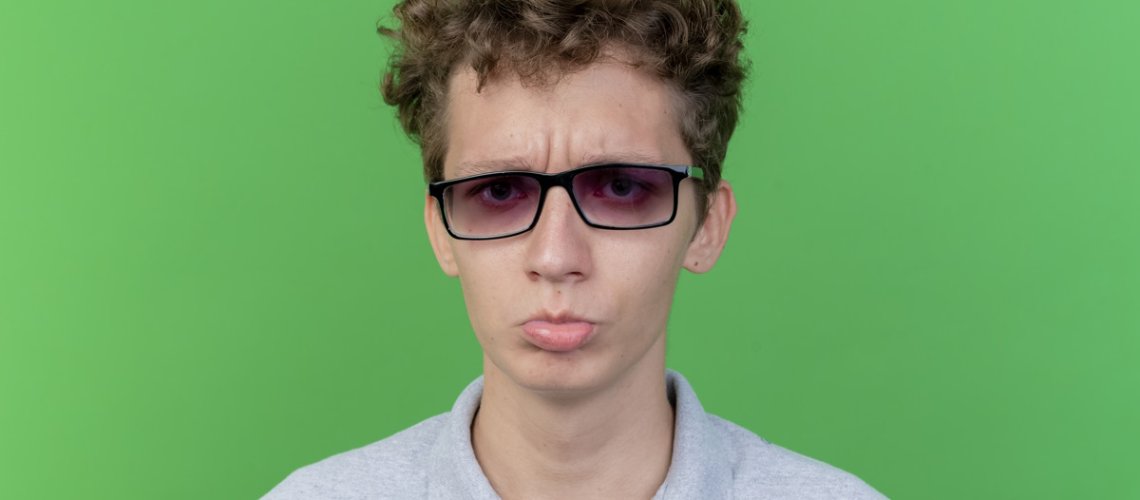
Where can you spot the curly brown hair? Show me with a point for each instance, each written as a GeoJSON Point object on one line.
{"type": "Point", "coordinates": [694, 46]}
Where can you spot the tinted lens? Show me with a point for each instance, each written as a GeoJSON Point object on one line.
{"type": "Point", "coordinates": [491, 206]}
{"type": "Point", "coordinates": [624, 196]}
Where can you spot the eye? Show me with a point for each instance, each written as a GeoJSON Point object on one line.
{"type": "Point", "coordinates": [624, 186]}
{"type": "Point", "coordinates": [621, 186]}
{"type": "Point", "coordinates": [498, 191]}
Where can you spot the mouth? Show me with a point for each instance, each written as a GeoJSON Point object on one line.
{"type": "Point", "coordinates": [558, 334]}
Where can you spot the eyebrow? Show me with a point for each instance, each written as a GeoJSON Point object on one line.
{"type": "Point", "coordinates": [621, 157]}
{"type": "Point", "coordinates": [476, 167]}
{"type": "Point", "coordinates": [469, 168]}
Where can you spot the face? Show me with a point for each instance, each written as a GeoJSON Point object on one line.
{"type": "Point", "coordinates": [566, 307]}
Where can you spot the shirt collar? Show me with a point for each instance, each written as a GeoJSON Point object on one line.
{"type": "Point", "coordinates": [700, 466]}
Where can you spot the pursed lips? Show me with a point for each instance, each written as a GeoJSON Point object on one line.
{"type": "Point", "coordinates": [558, 332]}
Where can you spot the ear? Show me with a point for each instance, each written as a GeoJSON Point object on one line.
{"type": "Point", "coordinates": [711, 237]}
{"type": "Point", "coordinates": [440, 240]}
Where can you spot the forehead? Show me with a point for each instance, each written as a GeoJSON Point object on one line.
{"type": "Point", "coordinates": [607, 111]}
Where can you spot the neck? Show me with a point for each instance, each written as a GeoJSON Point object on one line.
{"type": "Point", "coordinates": [612, 442]}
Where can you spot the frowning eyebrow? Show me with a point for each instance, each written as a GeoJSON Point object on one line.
{"type": "Point", "coordinates": [621, 157]}
{"type": "Point", "coordinates": [470, 168]}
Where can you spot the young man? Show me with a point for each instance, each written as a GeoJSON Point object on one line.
{"type": "Point", "coordinates": [573, 151]}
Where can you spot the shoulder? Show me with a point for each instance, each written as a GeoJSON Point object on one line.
{"type": "Point", "coordinates": [764, 469]}
{"type": "Point", "coordinates": [395, 467]}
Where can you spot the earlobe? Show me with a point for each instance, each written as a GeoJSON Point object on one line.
{"type": "Point", "coordinates": [712, 236]}
{"type": "Point", "coordinates": [440, 240]}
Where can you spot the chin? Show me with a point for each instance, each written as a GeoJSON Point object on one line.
{"type": "Point", "coordinates": [557, 373]}
{"type": "Point", "coordinates": [596, 366]}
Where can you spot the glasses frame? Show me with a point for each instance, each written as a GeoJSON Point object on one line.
{"type": "Point", "coordinates": [564, 180]}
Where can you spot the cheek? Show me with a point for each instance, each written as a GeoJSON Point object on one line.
{"type": "Point", "coordinates": [644, 274]}
{"type": "Point", "coordinates": [484, 278]}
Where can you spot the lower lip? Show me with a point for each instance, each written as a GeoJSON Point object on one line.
{"type": "Point", "coordinates": [558, 337]}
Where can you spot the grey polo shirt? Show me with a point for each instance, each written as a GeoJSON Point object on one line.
{"type": "Point", "coordinates": [712, 459]}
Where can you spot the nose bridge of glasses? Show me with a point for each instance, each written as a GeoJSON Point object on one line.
{"type": "Point", "coordinates": [570, 204]}
{"type": "Point", "coordinates": [563, 180]}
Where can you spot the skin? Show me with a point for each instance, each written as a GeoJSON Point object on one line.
{"type": "Point", "coordinates": [593, 422]}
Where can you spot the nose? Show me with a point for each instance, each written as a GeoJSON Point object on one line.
{"type": "Point", "coordinates": [558, 249]}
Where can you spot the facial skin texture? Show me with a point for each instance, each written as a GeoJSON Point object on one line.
{"type": "Point", "coordinates": [604, 402]}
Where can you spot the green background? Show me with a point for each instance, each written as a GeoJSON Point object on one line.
{"type": "Point", "coordinates": [213, 268]}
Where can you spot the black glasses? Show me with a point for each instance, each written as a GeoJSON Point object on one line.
{"type": "Point", "coordinates": [610, 196]}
